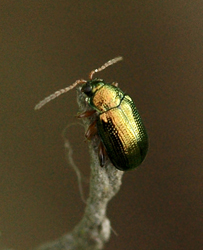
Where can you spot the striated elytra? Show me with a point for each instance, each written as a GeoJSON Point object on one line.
{"type": "Point", "coordinates": [121, 130]}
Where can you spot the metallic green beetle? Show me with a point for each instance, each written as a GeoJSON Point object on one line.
{"type": "Point", "coordinates": [123, 135]}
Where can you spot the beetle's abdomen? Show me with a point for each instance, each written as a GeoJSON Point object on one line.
{"type": "Point", "coordinates": [123, 135]}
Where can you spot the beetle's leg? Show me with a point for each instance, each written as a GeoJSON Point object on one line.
{"type": "Point", "coordinates": [86, 114]}
{"type": "Point", "coordinates": [115, 84]}
{"type": "Point", "coordinates": [102, 154]}
{"type": "Point", "coordinates": [91, 131]}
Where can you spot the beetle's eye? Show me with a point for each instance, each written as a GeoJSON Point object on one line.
{"type": "Point", "coordinates": [87, 89]}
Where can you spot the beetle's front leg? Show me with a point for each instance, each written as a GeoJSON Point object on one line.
{"type": "Point", "coordinates": [115, 84]}
{"type": "Point", "coordinates": [87, 113]}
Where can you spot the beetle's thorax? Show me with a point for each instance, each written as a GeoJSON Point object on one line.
{"type": "Point", "coordinates": [106, 97]}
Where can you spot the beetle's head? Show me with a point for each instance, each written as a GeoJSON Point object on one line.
{"type": "Point", "coordinates": [91, 86]}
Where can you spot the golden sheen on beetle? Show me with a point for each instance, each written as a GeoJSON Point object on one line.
{"type": "Point", "coordinates": [118, 123]}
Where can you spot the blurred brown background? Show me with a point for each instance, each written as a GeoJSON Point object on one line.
{"type": "Point", "coordinates": [47, 45]}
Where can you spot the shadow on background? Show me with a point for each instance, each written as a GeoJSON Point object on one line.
{"type": "Point", "coordinates": [47, 45]}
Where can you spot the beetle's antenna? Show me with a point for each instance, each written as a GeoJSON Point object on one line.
{"type": "Point", "coordinates": [58, 93]}
{"type": "Point", "coordinates": [107, 64]}
{"type": "Point", "coordinates": [81, 81]}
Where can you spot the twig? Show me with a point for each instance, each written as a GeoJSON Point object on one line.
{"type": "Point", "coordinates": [94, 230]}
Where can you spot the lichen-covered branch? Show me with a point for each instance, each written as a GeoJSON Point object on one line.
{"type": "Point", "coordinates": [94, 230]}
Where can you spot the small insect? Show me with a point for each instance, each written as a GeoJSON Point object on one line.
{"type": "Point", "coordinates": [123, 135]}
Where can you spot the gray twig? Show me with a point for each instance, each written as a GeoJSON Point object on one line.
{"type": "Point", "coordinates": [93, 231]}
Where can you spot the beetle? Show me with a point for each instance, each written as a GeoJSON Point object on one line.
{"type": "Point", "coordinates": [118, 123]}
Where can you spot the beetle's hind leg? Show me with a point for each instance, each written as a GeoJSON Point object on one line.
{"type": "Point", "coordinates": [102, 154]}
{"type": "Point", "coordinates": [91, 132]}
